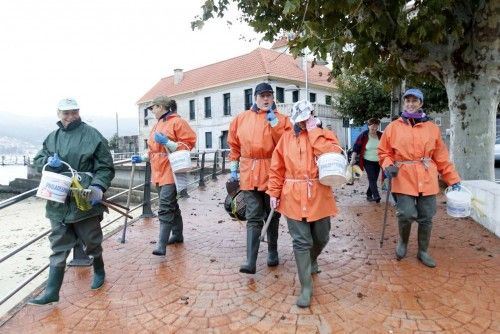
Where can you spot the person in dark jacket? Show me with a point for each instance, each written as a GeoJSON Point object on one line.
{"type": "Point", "coordinates": [365, 147]}
{"type": "Point", "coordinates": [87, 152]}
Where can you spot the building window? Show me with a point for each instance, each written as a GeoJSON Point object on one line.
{"type": "Point", "coordinates": [227, 104]}
{"type": "Point", "coordinates": [248, 99]}
{"type": "Point", "coordinates": [328, 100]}
{"type": "Point", "coordinates": [312, 97]}
{"type": "Point", "coordinates": [223, 140]}
{"type": "Point", "coordinates": [192, 114]}
{"type": "Point", "coordinates": [145, 144]}
{"type": "Point", "coordinates": [295, 96]}
{"type": "Point", "coordinates": [208, 107]}
{"type": "Point", "coordinates": [208, 139]}
{"type": "Point", "coordinates": [146, 121]}
{"type": "Point", "coordinates": [280, 95]}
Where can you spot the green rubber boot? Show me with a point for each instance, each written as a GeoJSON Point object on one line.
{"type": "Point", "coordinates": [424, 236]}
{"type": "Point", "coordinates": [99, 273]}
{"type": "Point", "coordinates": [272, 246]}
{"type": "Point", "coordinates": [54, 282]}
{"type": "Point", "coordinates": [161, 247]}
{"type": "Point", "coordinates": [404, 235]}
{"type": "Point", "coordinates": [303, 260]}
{"type": "Point", "coordinates": [253, 242]}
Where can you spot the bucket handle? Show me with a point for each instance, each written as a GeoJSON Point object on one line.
{"type": "Point", "coordinates": [447, 190]}
{"type": "Point", "coordinates": [341, 149]}
{"type": "Point", "coordinates": [69, 167]}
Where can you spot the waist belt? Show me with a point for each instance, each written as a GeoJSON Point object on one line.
{"type": "Point", "coordinates": [308, 181]}
{"type": "Point", "coordinates": [425, 161]}
{"type": "Point", "coordinates": [255, 160]}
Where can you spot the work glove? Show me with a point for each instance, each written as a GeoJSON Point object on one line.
{"type": "Point", "coordinates": [456, 186]}
{"type": "Point", "coordinates": [136, 159]}
{"type": "Point", "coordinates": [235, 176]}
{"type": "Point", "coordinates": [95, 195]}
{"type": "Point", "coordinates": [54, 161]}
{"type": "Point", "coordinates": [271, 118]}
{"type": "Point", "coordinates": [312, 123]}
{"type": "Point", "coordinates": [391, 171]}
{"type": "Point", "coordinates": [274, 202]}
{"type": "Point", "coordinates": [160, 138]}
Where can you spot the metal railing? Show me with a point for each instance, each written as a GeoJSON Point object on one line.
{"type": "Point", "coordinates": [200, 172]}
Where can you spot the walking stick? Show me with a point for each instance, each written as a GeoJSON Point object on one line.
{"type": "Point", "coordinates": [385, 211]}
{"type": "Point", "coordinates": [266, 225]}
{"type": "Point", "coordinates": [131, 182]}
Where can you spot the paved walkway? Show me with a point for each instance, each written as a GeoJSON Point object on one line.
{"type": "Point", "coordinates": [197, 288]}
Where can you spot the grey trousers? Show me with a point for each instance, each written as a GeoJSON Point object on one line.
{"type": "Point", "coordinates": [258, 209]}
{"type": "Point", "coordinates": [63, 238]}
{"type": "Point", "coordinates": [168, 208]}
{"type": "Point", "coordinates": [309, 236]}
{"type": "Point", "coordinates": [415, 208]}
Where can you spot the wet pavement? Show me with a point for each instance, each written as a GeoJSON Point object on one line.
{"type": "Point", "coordinates": [197, 288]}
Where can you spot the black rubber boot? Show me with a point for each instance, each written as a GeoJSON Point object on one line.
{"type": "Point", "coordinates": [99, 273]}
{"type": "Point", "coordinates": [272, 246]}
{"type": "Point", "coordinates": [161, 247]}
{"type": "Point", "coordinates": [424, 236]}
{"type": "Point", "coordinates": [303, 260]}
{"type": "Point", "coordinates": [177, 228]}
{"type": "Point", "coordinates": [54, 282]}
{"type": "Point", "coordinates": [253, 234]}
{"type": "Point", "coordinates": [404, 235]}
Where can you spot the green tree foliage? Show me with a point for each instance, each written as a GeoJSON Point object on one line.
{"type": "Point", "coordinates": [114, 142]}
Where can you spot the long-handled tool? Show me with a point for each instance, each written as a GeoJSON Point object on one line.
{"type": "Point", "coordinates": [385, 211]}
{"type": "Point", "coordinates": [266, 225]}
{"type": "Point", "coordinates": [131, 182]}
{"type": "Point", "coordinates": [85, 193]}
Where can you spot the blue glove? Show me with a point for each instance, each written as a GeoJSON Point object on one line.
{"type": "Point", "coordinates": [271, 118]}
{"type": "Point", "coordinates": [54, 161]}
{"type": "Point", "coordinates": [95, 196]}
{"type": "Point", "coordinates": [136, 159]}
{"type": "Point", "coordinates": [160, 138]}
{"type": "Point", "coordinates": [391, 171]}
{"type": "Point", "coordinates": [456, 187]}
{"type": "Point", "coordinates": [234, 176]}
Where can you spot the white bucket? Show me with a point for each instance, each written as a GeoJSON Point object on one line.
{"type": "Point", "coordinates": [458, 202]}
{"type": "Point", "coordinates": [332, 169]}
{"type": "Point", "coordinates": [180, 161]}
{"type": "Point", "coordinates": [54, 187]}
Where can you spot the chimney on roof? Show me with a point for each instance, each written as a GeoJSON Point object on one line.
{"type": "Point", "coordinates": [178, 75]}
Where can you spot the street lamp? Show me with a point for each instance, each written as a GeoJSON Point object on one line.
{"type": "Point", "coordinates": [305, 68]}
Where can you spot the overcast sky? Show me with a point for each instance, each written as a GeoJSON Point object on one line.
{"type": "Point", "coordinates": [104, 53]}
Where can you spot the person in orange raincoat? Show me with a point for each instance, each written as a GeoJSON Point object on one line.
{"type": "Point", "coordinates": [296, 193]}
{"type": "Point", "coordinates": [253, 134]}
{"type": "Point", "coordinates": [170, 133]}
{"type": "Point", "coordinates": [412, 153]}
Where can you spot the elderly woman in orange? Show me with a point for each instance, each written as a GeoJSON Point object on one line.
{"type": "Point", "coordinates": [412, 154]}
{"type": "Point", "coordinates": [296, 193]}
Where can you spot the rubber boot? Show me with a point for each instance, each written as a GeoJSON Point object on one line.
{"type": "Point", "coordinates": [177, 228]}
{"type": "Point", "coordinates": [253, 234]}
{"type": "Point", "coordinates": [315, 267]}
{"type": "Point", "coordinates": [54, 282]}
{"type": "Point", "coordinates": [404, 235]}
{"type": "Point", "coordinates": [99, 273]}
{"type": "Point", "coordinates": [303, 260]}
{"type": "Point", "coordinates": [424, 236]}
{"type": "Point", "coordinates": [161, 247]}
{"type": "Point", "coordinates": [272, 246]}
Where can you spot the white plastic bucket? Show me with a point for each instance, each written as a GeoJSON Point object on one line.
{"type": "Point", "coordinates": [180, 161]}
{"type": "Point", "coordinates": [332, 169]}
{"type": "Point", "coordinates": [54, 187]}
{"type": "Point", "coordinates": [458, 202]}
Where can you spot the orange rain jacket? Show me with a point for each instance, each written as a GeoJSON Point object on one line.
{"type": "Point", "coordinates": [293, 177]}
{"type": "Point", "coordinates": [408, 147]}
{"type": "Point", "coordinates": [176, 129]}
{"type": "Point", "coordinates": [252, 141]}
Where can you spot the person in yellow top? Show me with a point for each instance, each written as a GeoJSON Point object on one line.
{"type": "Point", "coordinates": [253, 135]}
{"type": "Point", "coordinates": [171, 133]}
{"type": "Point", "coordinates": [296, 192]}
{"type": "Point", "coordinates": [412, 154]}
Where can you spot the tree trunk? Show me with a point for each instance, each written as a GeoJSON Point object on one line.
{"type": "Point", "coordinates": [473, 107]}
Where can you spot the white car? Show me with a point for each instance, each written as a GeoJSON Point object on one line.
{"type": "Point", "coordinates": [497, 149]}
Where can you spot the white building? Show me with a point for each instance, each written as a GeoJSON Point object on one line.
{"type": "Point", "coordinates": [210, 96]}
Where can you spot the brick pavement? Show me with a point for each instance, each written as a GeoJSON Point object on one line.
{"type": "Point", "coordinates": [197, 288]}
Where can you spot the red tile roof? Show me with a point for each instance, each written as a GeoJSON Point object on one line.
{"type": "Point", "coordinates": [260, 63]}
{"type": "Point", "coordinates": [279, 43]}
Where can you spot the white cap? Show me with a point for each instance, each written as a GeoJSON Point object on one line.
{"type": "Point", "coordinates": [68, 104]}
{"type": "Point", "coordinates": [301, 111]}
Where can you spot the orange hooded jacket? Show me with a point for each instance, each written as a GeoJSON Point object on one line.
{"type": "Point", "coordinates": [252, 141]}
{"type": "Point", "coordinates": [293, 177]}
{"type": "Point", "coordinates": [176, 129]}
{"type": "Point", "coordinates": [405, 146]}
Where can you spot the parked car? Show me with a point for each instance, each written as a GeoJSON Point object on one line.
{"type": "Point", "coordinates": [497, 150]}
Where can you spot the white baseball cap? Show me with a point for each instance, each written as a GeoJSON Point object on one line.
{"type": "Point", "coordinates": [68, 104]}
{"type": "Point", "coordinates": [301, 111]}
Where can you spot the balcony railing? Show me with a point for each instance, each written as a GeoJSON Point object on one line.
{"type": "Point", "coordinates": [321, 110]}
